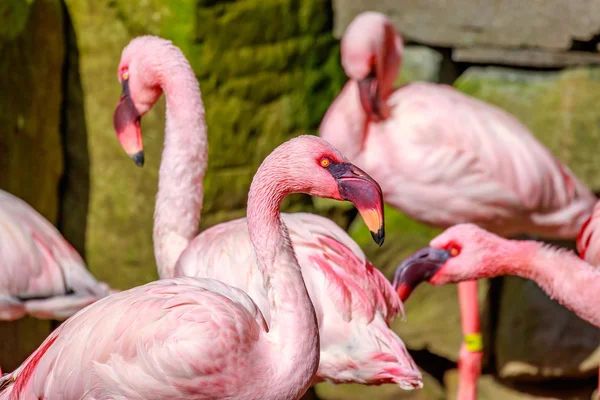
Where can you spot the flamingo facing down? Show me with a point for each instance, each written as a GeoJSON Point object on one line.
{"type": "Point", "coordinates": [445, 158]}
{"type": "Point", "coordinates": [353, 300]}
{"type": "Point", "coordinates": [201, 338]}
{"type": "Point", "coordinates": [466, 252]}
{"type": "Point", "coordinates": [42, 274]}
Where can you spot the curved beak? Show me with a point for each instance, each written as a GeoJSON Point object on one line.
{"type": "Point", "coordinates": [368, 90]}
{"type": "Point", "coordinates": [126, 121]}
{"type": "Point", "coordinates": [364, 192]}
{"type": "Point", "coordinates": [419, 267]}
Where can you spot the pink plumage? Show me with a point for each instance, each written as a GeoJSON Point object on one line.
{"type": "Point", "coordinates": [353, 300]}
{"type": "Point", "coordinates": [588, 240]}
{"type": "Point", "coordinates": [444, 158]}
{"type": "Point", "coordinates": [189, 338]}
{"type": "Point", "coordinates": [42, 274]}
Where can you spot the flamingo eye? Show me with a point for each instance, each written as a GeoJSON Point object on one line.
{"type": "Point", "coordinates": [125, 75]}
{"type": "Point", "coordinates": [454, 251]}
{"type": "Point", "coordinates": [325, 162]}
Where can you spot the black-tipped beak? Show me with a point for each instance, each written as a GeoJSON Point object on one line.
{"type": "Point", "coordinates": [419, 267]}
{"type": "Point", "coordinates": [357, 187]}
{"type": "Point", "coordinates": [126, 120]}
{"type": "Point", "coordinates": [138, 158]}
{"type": "Point", "coordinates": [368, 89]}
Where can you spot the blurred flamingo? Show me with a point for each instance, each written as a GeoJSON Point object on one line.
{"type": "Point", "coordinates": [42, 274]}
{"type": "Point", "coordinates": [201, 338]}
{"type": "Point", "coordinates": [444, 158]}
{"type": "Point", "coordinates": [466, 252]}
{"type": "Point", "coordinates": [354, 302]}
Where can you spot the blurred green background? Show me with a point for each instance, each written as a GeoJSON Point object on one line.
{"type": "Point", "coordinates": [268, 70]}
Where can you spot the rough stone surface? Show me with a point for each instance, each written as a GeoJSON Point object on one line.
{"type": "Point", "coordinates": [530, 324]}
{"type": "Point", "coordinates": [432, 314]}
{"type": "Point", "coordinates": [32, 53]}
{"type": "Point", "coordinates": [490, 388]}
{"type": "Point", "coordinates": [525, 57]}
{"type": "Point", "coordinates": [551, 24]}
{"type": "Point", "coordinates": [432, 390]}
{"type": "Point", "coordinates": [555, 106]}
{"type": "Point", "coordinates": [420, 63]}
{"type": "Point", "coordinates": [262, 83]}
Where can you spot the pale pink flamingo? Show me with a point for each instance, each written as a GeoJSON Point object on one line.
{"type": "Point", "coordinates": [444, 158]}
{"type": "Point", "coordinates": [353, 300]}
{"type": "Point", "coordinates": [201, 338]}
{"type": "Point", "coordinates": [466, 252]}
{"type": "Point", "coordinates": [42, 274]}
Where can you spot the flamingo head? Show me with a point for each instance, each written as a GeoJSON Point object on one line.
{"type": "Point", "coordinates": [459, 253]}
{"type": "Point", "coordinates": [371, 55]}
{"type": "Point", "coordinates": [139, 75]}
{"type": "Point", "coordinates": [315, 167]}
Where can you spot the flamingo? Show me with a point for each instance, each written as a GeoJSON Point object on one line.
{"type": "Point", "coordinates": [444, 158]}
{"type": "Point", "coordinates": [201, 338]}
{"type": "Point", "coordinates": [42, 274]}
{"type": "Point", "coordinates": [466, 252]}
{"type": "Point", "coordinates": [354, 302]}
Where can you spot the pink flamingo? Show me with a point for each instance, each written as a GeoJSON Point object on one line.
{"type": "Point", "coordinates": [466, 252]}
{"type": "Point", "coordinates": [444, 158]}
{"type": "Point", "coordinates": [353, 300]}
{"type": "Point", "coordinates": [201, 338]}
{"type": "Point", "coordinates": [42, 274]}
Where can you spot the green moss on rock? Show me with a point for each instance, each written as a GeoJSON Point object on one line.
{"type": "Point", "coordinates": [13, 18]}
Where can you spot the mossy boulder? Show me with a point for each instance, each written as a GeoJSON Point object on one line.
{"type": "Point", "coordinates": [32, 53]}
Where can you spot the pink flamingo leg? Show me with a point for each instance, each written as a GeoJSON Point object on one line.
{"type": "Point", "coordinates": [471, 351]}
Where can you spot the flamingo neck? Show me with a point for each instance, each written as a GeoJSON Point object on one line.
{"type": "Point", "coordinates": [182, 168]}
{"type": "Point", "coordinates": [345, 124]}
{"type": "Point", "coordinates": [293, 331]}
{"type": "Point", "coordinates": [560, 273]}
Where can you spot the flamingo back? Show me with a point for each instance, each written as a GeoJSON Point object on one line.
{"type": "Point", "coordinates": [447, 158]}
{"type": "Point", "coordinates": [173, 338]}
{"type": "Point", "coordinates": [35, 259]}
{"type": "Point", "coordinates": [353, 301]}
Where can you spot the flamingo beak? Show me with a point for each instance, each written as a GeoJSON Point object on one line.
{"type": "Point", "coordinates": [419, 267]}
{"type": "Point", "coordinates": [368, 90]}
{"type": "Point", "coordinates": [126, 121]}
{"type": "Point", "coordinates": [364, 192]}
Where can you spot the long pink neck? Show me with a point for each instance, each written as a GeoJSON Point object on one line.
{"type": "Point", "coordinates": [182, 168]}
{"type": "Point", "coordinates": [293, 330]}
{"type": "Point", "coordinates": [561, 274]}
{"type": "Point", "coordinates": [345, 123]}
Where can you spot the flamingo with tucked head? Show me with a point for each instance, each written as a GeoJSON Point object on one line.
{"type": "Point", "coordinates": [201, 338]}
{"type": "Point", "coordinates": [42, 274]}
{"type": "Point", "coordinates": [354, 302]}
{"type": "Point", "coordinates": [443, 158]}
{"type": "Point", "coordinates": [466, 252]}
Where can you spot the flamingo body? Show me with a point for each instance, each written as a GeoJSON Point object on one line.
{"type": "Point", "coordinates": [42, 274]}
{"type": "Point", "coordinates": [353, 301]}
